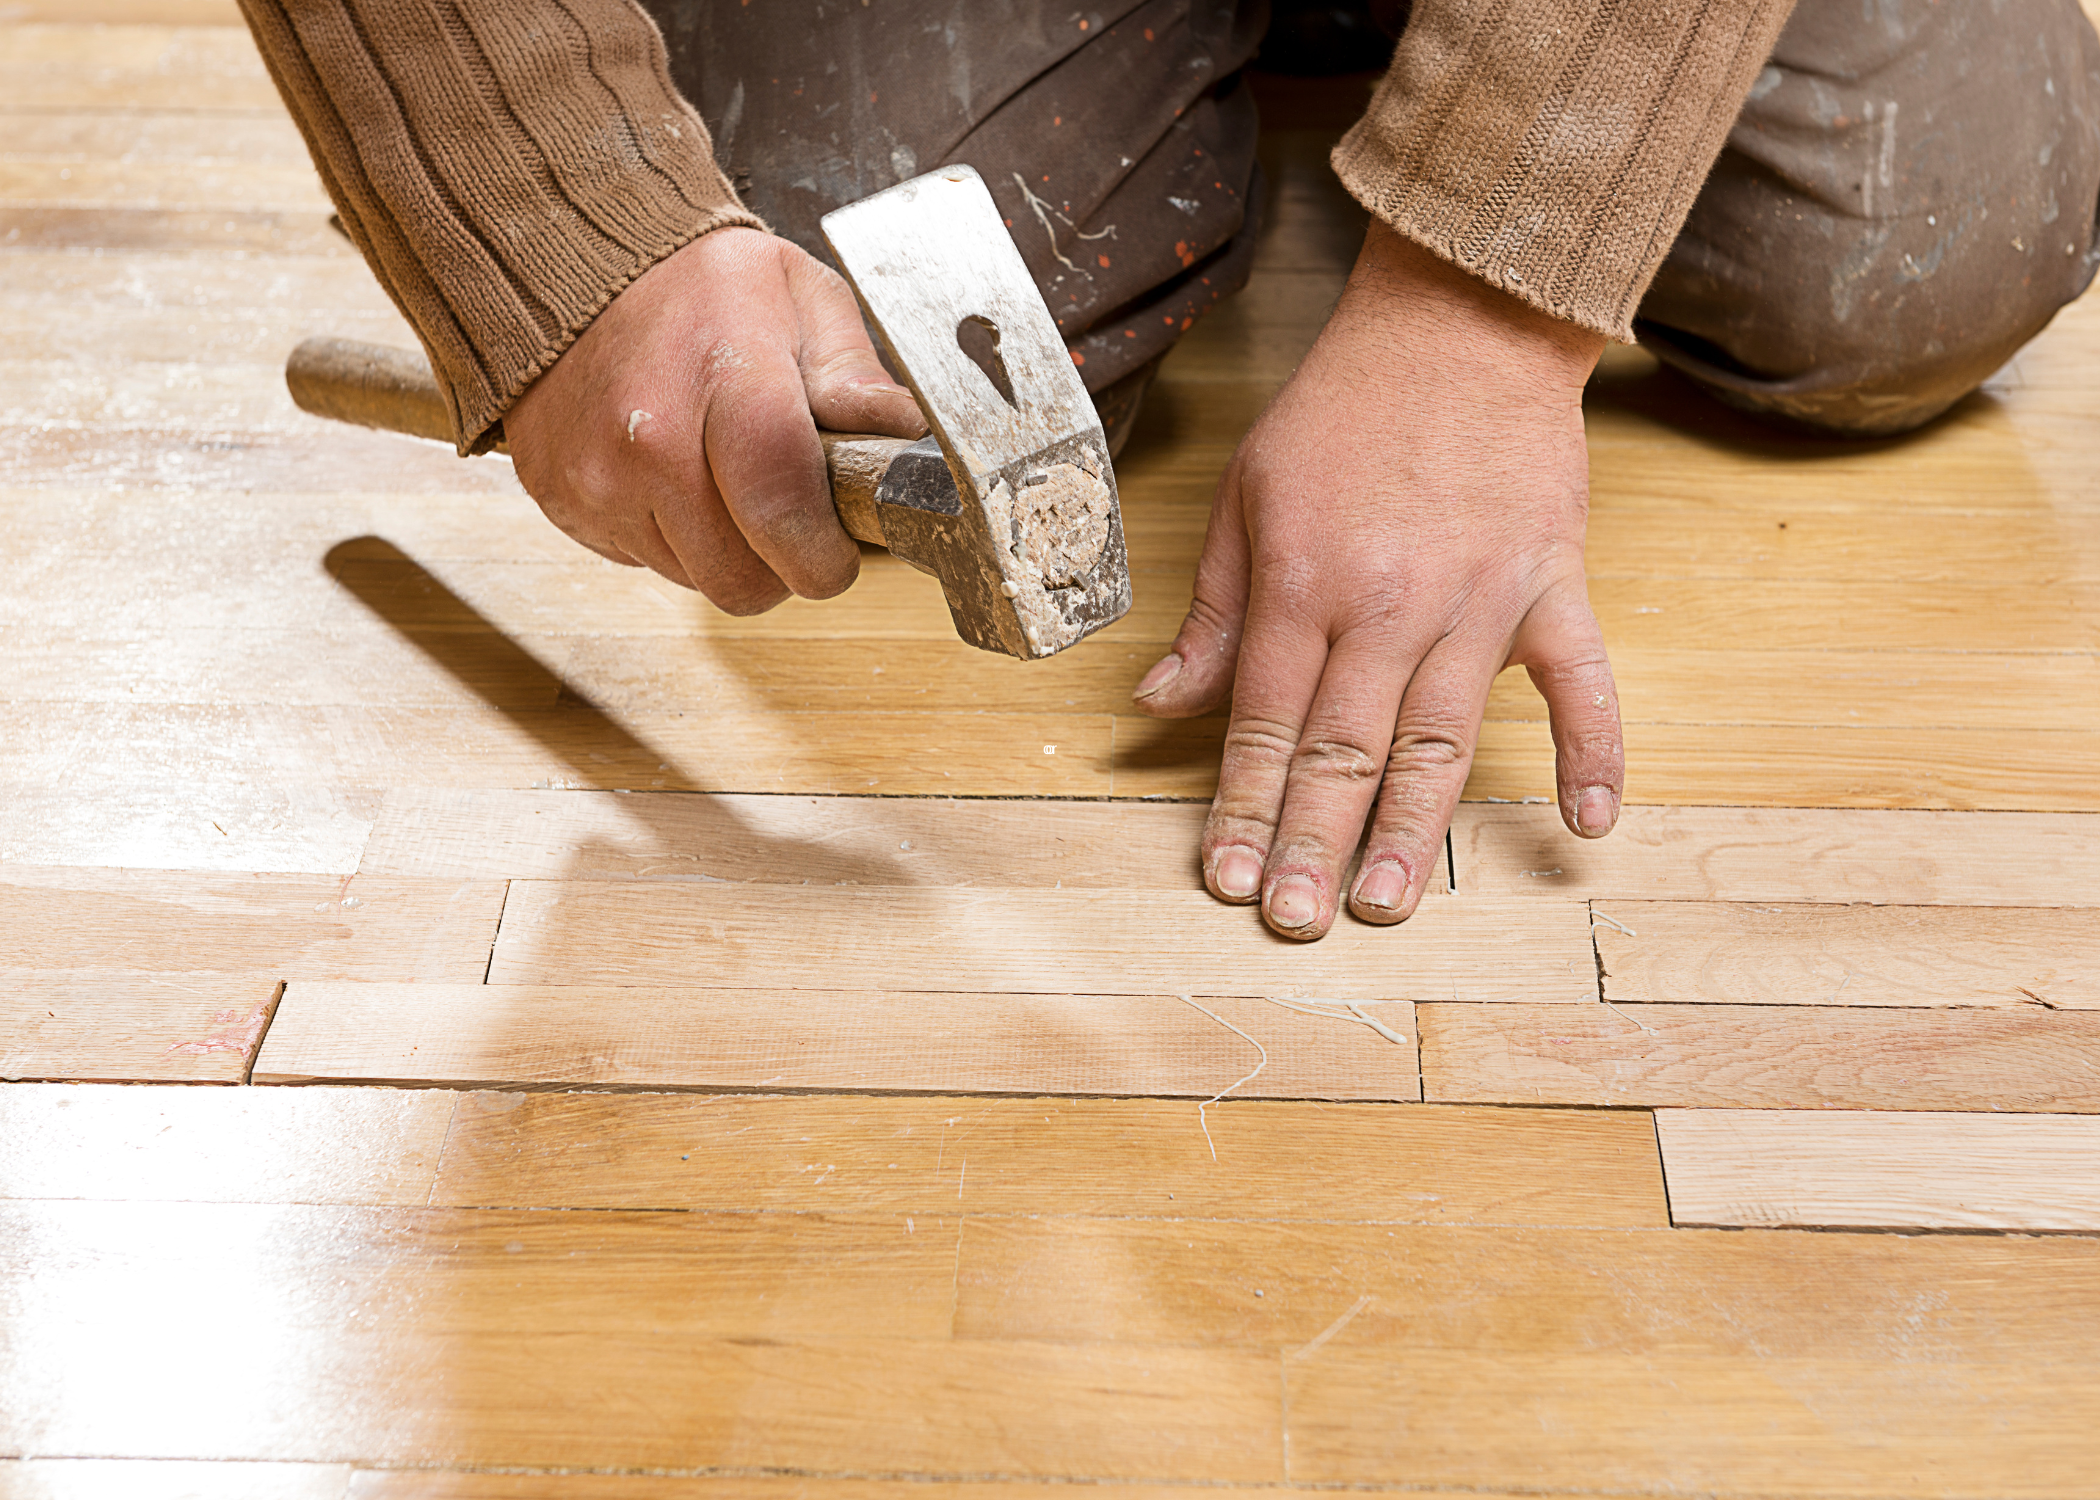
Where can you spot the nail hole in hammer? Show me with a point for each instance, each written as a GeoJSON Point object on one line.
{"type": "Point", "coordinates": [978, 337]}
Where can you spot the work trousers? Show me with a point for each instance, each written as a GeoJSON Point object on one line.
{"type": "Point", "coordinates": [1909, 194]}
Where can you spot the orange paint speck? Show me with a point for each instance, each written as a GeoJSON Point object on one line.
{"type": "Point", "coordinates": [1103, 259]}
{"type": "Point", "coordinates": [1078, 358]}
{"type": "Point", "coordinates": [1148, 29]}
{"type": "Point", "coordinates": [871, 96]}
{"type": "Point", "coordinates": [1082, 25]}
{"type": "Point", "coordinates": [1057, 119]}
{"type": "Point", "coordinates": [1186, 324]}
{"type": "Point", "coordinates": [1186, 255]}
{"type": "Point", "coordinates": [1130, 333]}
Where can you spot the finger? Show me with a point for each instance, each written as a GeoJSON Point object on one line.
{"type": "Point", "coordinates": [1562, 647]}
{"type": "Point", "coordinates": [846, 386]}
{"type": "Point", "coordinates": [1334, 774]}
{"type": "Point", "coordinates": [768, 467]}
{"type": "Point", "coordinates": [672, 518]}
{"type": "Point", "coordinates": [1433, 742]}
{"type": "Point", "coordinates": [1196, 675]}
{"type": "Point", "coordinates": [1280, 665]}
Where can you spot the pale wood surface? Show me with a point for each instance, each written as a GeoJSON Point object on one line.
{"type": "Point", "coordinates": [1032, 941]}
{"type": "Point", "coordinates": [220, 1145]}
{"type": "Point", "coordinates": [535, 1036]}
{"type": "Point", "coordinates": [308, 927]}
{"type": "Point", "coordinates": [1697, 951]}
{"type": "Point", "coordinates": [1762, 1056]}
{"type": "Point", "coordinates": [1774, 855]}
{"type": "Point", "coordinates": [1895, 1171]}
{"type": "Point", "coordinates": [110, 1025]}
{"type": "Point", "coordinates": [255, 665]}
{"type": "Point", "coordinates": [1275, 1160]}
{"type": "Point", "coordinates": [169, 1479]}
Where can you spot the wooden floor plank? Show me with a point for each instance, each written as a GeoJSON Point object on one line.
{"type": "Point", "coordinates": [1673, 952]}
{"type": "Point", "coordinates": [888, 841]}
{"type": "Point", "coordinates": [198, 825]}
{"type": "Point", "coordinates": [453, 1484]}
{"type": "Point", "coordinates": [530, 1036]}
{"type": "Point", "coordinates": [1897, 857]}
{"type": "Point", "coordinates": [111, 1026]}
{"type": "Point", "coordinates": [1407, 1291]}
{"type": "Point", "coordinates": [1762, 1168]}
{"type": "Point", "coordinates": [162, 1479]}
{"type": "Point", "coordinates": [1762, 1057]}
{"type": "Point", "coordinates": [75, 66]}
{"type": "Point", "coordinates": [1036, 942]}
{"type": "Point", "coordinates": [1861, 1427]}
{"type": "Point", "coordinates": [1276, 1161]}
{"type": "Point", "coordinates": [374, 1146]}
{"type": "Point", "coordinates": [293, 926]}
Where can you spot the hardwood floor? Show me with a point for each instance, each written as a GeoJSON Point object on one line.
{"type": "Point", "coordinates": [479, 1024]}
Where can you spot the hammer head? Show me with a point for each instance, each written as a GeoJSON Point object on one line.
{"type": "Point", "coordinates": [1032, 558]}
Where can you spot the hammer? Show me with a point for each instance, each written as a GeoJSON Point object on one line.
{"type": "Point", "coordinates": [1010, 501]}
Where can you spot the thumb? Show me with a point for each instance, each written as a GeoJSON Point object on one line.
{"type": "Point", "coordinates": [848, 389]}
{"type": "Point", "coordinates": [1195, 677]}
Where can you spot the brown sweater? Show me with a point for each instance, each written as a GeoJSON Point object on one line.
{"type": "Point", "coordinates": [508, 166]}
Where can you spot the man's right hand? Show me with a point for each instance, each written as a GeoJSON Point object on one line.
{"type": "Point", "coordinates": [679, 432]}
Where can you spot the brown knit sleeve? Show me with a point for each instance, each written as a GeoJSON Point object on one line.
{"type": "Point", "coordinates": [506, 166]}
{"type": "Point", "coordinates": [1553, 147]}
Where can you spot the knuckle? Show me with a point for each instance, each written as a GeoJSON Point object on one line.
{"type": "Point", "coordinates": [1429, 747]}
{"type": "Point", "coordinates": [1336, 761]}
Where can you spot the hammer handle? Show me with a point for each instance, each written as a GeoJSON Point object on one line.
{"type": "Point", "coordinates": [373, 385]}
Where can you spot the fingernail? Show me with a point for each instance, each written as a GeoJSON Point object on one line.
{"type": "Point", "coordinates": [1384, 886]}
{"type": "Point", "coordinates": [1238, 874]}
{"type": "Point", "coordinates": [1593, 813]}
{"type": "Point", "coordinates": [1164, 671]}
{"type": "Point", "coordinates": [1294, 902]}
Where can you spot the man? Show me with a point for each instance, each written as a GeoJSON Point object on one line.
{"type": "Point", "coordinates": [1907, 194]}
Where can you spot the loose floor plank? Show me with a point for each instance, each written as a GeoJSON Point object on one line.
{"type": "Point", "coordinates": [1764, 1168]}
{"type": "Point", "coordinates": [888, 841]}
{"type": "Point", "coordinates": [1787, 855]}
{"type": "Point", "coordinates": [1149, 1158]}
{"type": "Point", "coordinates": [373, 1146]}
{"type": "Point", "coordinates": [306, 927]}
{"type": "Point", "coordinates": [530, 1036]}
{"type": "Point", "coordinates": [113, 1026]}
{"type": "Point", "coordinates": [574, 745]}
{"type": "Point", "coordinates": [1036, 942]}
{"type": "Point", "coordinates": [1667, 952]}
{"type": "Point", "coordinates": [1762, 1057]}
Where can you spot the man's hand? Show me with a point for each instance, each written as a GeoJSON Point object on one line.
{"type": "Point", "coordinates": [680, 431]}
{"type": "Point", "coordinates": [1405, 519]}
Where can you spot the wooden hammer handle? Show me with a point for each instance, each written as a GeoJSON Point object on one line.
{"type": "Point", "coordinates": [374, 385]}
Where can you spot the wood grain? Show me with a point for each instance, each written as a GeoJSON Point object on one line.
{"type": "Point", "coordinates": [227, 827]}
{"type": "Point", "coordinates": [1276, 1160]}
{"type": "Point", "coordinates": [1762, 1057]}
{"type": "Point", "coordinates": [1738, 953]}
{"type": "Point", "coordinates": [374, 1146]}
{"type": "Point", "coordinates": [533, 1036]}
{"type": "Point", "coordinates": [307, 927]}
{"type": "Point", "coordinates": [1910, 858]}
{"type": "Point", "coordinates": [114, 1026]}
{"type": "Point", "coordinates": [1763, 1168]}
{"type": "Point", "coordinates": [1037, 942]}
{"type": "Point", "coordinates": [180, 67]}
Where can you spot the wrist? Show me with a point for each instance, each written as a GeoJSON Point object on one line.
{"type": "Point", "coordinates": [1449, 314]}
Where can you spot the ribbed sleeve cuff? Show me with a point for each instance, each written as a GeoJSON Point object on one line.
{"type": "Point", "coordinates": [1554, 147]}
{"type": "Point", "coordinates": [507, 167]}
